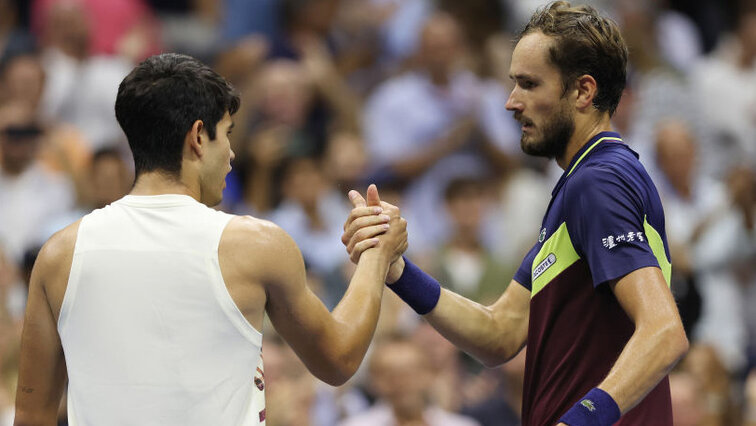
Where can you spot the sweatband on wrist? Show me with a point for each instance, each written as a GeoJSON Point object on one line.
{"type": "Point", "coordinates": [596, 408]}
{"type": "Point", "coordinates": [418, 289]}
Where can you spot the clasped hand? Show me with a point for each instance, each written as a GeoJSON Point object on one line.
{"type": "Point", "coordinates": [375, 223]}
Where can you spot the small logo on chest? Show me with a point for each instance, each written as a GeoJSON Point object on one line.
{"type": "Point", "coordinates": [542, 235]}
{"type": "Point", "coordinates": [544, 265]}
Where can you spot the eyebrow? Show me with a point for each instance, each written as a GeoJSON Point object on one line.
{"type": "Point", "coordinates": [521, 77]}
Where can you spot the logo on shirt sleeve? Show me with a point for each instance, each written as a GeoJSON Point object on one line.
{"type": "Point", "coordinates": [613, 241]}
{"type": "Point", "coordinates": [543, 266]}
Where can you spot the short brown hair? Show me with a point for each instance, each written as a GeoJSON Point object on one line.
{"type": "Point", "coordinates": [584, 43]}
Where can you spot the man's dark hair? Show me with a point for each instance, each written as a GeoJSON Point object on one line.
{"type": "Point", "coordinates": [584, 43]}
{"type": "Point", "coordinates": [159, 101]}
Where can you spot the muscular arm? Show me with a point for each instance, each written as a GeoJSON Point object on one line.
{"type": "Point", "coordinates": [657, 344]}
{"type": "Point", "coordinates": [492, 334]}
{"type": "Point", "coordinates": [331, 344]}
{"type": "Point", "coordinates": [42, 369]}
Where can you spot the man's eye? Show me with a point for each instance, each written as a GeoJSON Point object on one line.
{"type": "Point", "coordinates": [527, 85]}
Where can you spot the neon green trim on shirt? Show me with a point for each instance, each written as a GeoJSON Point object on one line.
{"type": "Point", "coordinates": [556, 255]}
{"type": "Point", "coordinates": [657, 246]}
{"type": "Point", "coordinates": [609, 138]}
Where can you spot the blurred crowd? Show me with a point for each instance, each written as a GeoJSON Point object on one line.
{"type": "Point", "coordinates": [407, 94]}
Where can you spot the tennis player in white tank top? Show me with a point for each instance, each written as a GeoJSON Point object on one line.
{"type": "Point", "coordinates": [153, 306]}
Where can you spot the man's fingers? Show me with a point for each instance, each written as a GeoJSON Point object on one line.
{"type": "Point", "coordinates": [355, 215]}
{"type": "Point", "coordinates": [361, 247]}
{"type": "Point", "coordinates": [372, 196]}
{"type": "Point", "coordinates": [364, 221]}
{"type": "Point", "coordinates": [366, 233]}
{"type": "Point", "coordinates": [356, 199]}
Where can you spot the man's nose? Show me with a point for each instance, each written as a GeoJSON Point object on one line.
{"type": "Point", "coordinates": [513, 102]}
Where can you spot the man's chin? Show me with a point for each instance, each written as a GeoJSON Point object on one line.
{"type": "Point", "coordinates": [531, 147]}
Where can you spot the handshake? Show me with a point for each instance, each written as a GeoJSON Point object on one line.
{"type": "Point", "coordinates": [377, 224]}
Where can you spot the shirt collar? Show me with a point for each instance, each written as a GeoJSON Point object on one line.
{"type": "Point", "coordinates": [583, 153]}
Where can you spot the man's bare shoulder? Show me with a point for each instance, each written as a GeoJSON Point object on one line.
{"type": "Point", "coordinates": [58, 251]}
{"type": "Point", "coordinates": [53, 265]}
{"type": "Point", "coordinates": [250, 232]}
{"type": "Point", "coordinates": [254, 240]}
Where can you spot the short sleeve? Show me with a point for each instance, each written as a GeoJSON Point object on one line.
{"type": "Point", "coordinates": [523, 274]}
{"type": "Point", "coordinates": [605, 218]}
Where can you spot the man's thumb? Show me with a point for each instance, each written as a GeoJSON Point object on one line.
{"type": "Point", "coordinates": [372, 196]}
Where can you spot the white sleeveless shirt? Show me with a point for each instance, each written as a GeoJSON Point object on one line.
{"type": "Point", "coordinates": [150, 333]}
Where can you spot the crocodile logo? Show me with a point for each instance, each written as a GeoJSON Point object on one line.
{"type": "Point", "coordinates": [587, 403]}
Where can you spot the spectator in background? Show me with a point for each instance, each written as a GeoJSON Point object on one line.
{"type": "Point", "coordinates": [706, 238]}
{"type": "Point", "coordinates": [302, 23]}
{"type": "Point", "coordinates": [345, 160]}
{"type": "Point", "coordinates": [279, 126]}
{"type": "Point", "coordinates": [29, 195]}
{"type": "Point", "coordinates": [289, 387]}
{"type": "Point", "coordinates": [22, 80]}
{"type": "Point", "coordinates": [713, 383]}
{"type": "Point", "coordinates": [419, 126]}
{"type": "Point", "coordinates": [501, 406]}
{"type": "Point", "coordinates": [312, 212]}
{"type": "Point", "coordinates": [291, 105]}
{"type": "Point", "coordinates": [242, 18]}
{"type": "Point", "coordinates": [80, 88]}
{"type": "Point", "coordinates": [192, 27]}
{"type": "Point", "coordinates": [106, 179]}
{"type": "Point", "coordinates": [704, 235]}
{"type": "Point", "coordinates": [117, 27]}
{"type": "Point", "coordinates": [463, 263]}
{"type": "Point", "coordinates": [13, 40]}
{"type": "Point", "coordinates": [688, 400]}
{"type": "Point", "coordinates": [725, 85]}
{"type": "Point", "coordinates": [657, 86]}
{"type": "Point", "coordinates": [401, 379]}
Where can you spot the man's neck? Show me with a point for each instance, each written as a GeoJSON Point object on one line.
{"type": "Point", "coordinates": [157, 183]}
{"type": "Point", "coordinates": [582, 134]}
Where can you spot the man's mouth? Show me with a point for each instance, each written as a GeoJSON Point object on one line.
{"type": "Point", "coordinates": [525, 122]}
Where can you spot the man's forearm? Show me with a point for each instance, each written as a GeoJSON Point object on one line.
{"type": "Point", "coordinates": [359, 308]}
{"type": "Point", "coordinates": [648, 356]}
{"type": "Point", "coordinates": [492, 335]}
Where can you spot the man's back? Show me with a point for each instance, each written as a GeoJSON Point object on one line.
{"type": "Point", "coordinates": [169, 345]}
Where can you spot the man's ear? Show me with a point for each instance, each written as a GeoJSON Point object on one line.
{"type": "Point", "coordinates": [587, 89]}
{"type": "Point", "coordinates": [194, 137]}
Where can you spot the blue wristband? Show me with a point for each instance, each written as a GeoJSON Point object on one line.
{"type": "Point", "coordinates": [596, 408]}
{"type": "Point", "coordinates": [418, 289]}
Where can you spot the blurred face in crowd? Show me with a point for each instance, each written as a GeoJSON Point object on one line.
{"type": "Point", "coordinates": [110, 179]}
{"type": "Point", "coordinates": [440, 45]}
{"type": "Point", "coordinates": [68, 28]}
{"type": "Point", "coordinates": [304, 182]}
{"type": "Point", "coordinates": [538, 99]}
{"type": "Point", "coordinates": [401, 376]}
{"type": "Point", "coordinates": [286, 93]}
{"type": "Point", "coordinates": [23, 80]}
{"type": "Point", "coordinates": [20, 138]}
{"type": "Point", "coordinates": [676, 153]}
{"type": "Point", "coordinates": [216, 163]}
{"type": "Point", "coordinates": [687, 400]}
{"type": "Point", "coordinates": [346, 159]}
{"type": "Point", "coordinates": [467, 206]}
